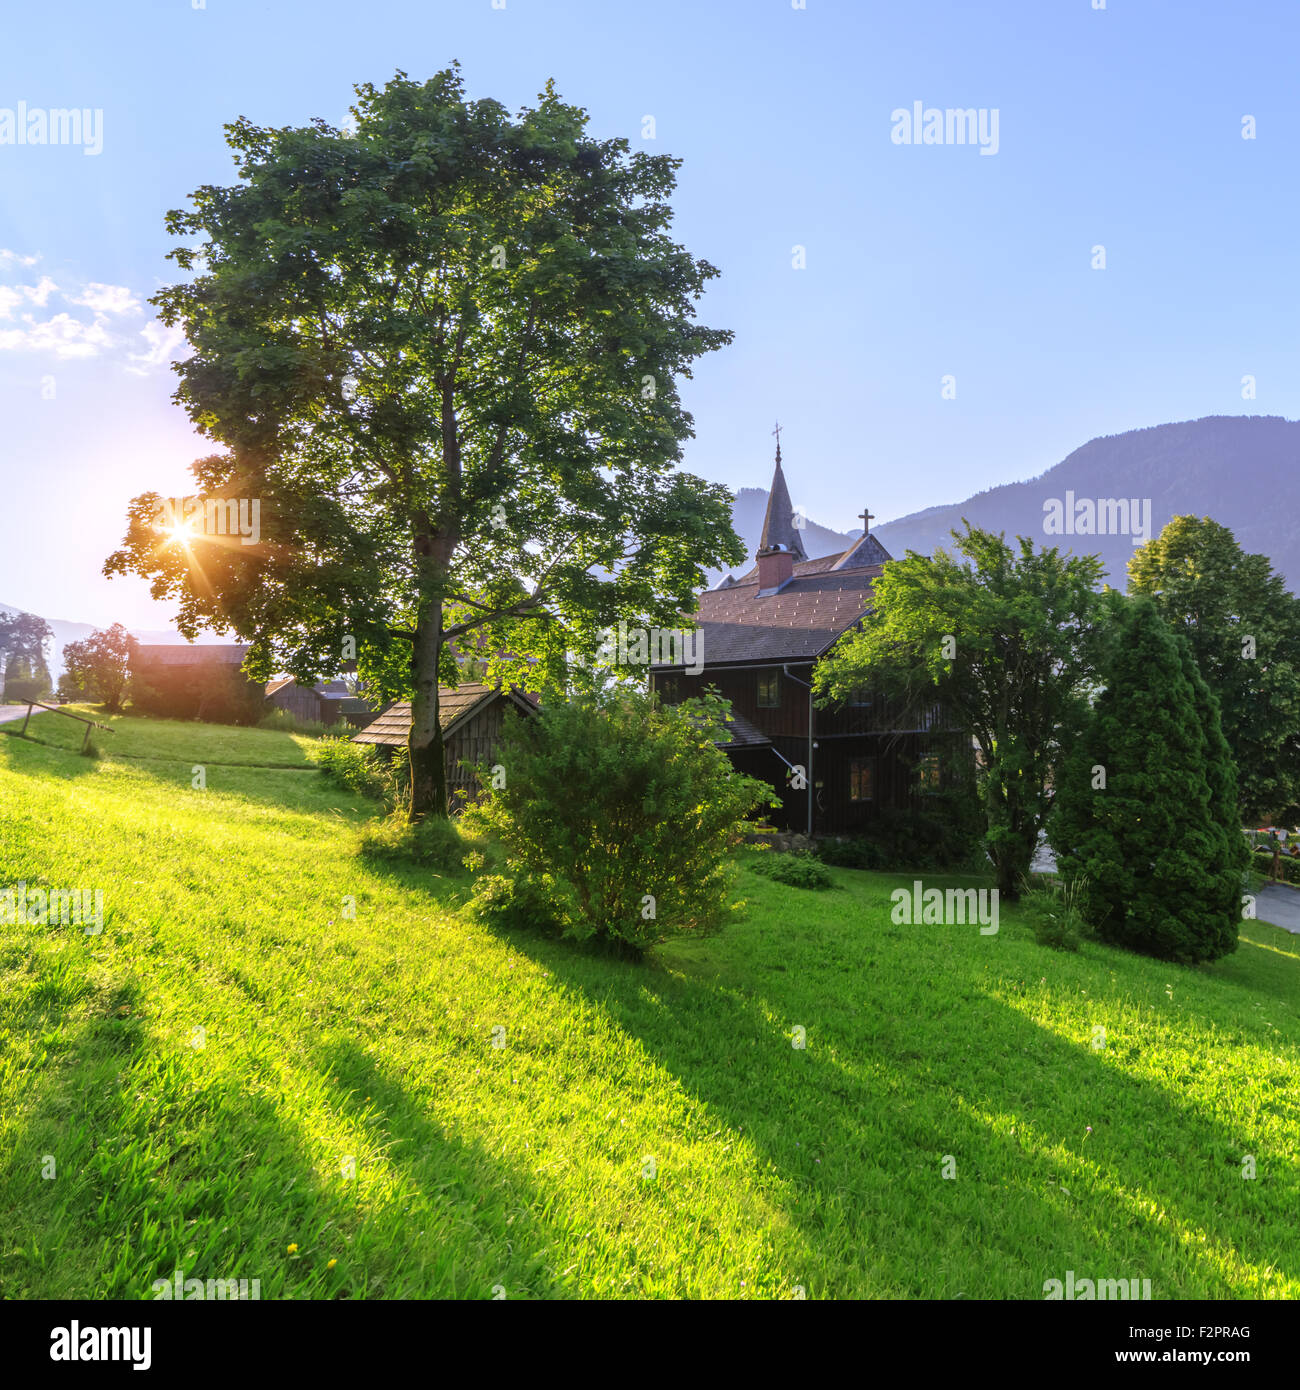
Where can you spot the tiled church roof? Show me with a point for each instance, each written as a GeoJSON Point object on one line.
{"type": "Point", "coordinates": [822, 599]}
{"type": "Point", "coordinates": [802, 621]}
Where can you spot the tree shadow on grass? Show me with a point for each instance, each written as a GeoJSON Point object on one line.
{"type": "Point", "coordinates": [858, 1123]}
{"type": "Point", "coordinates": [219, 1181]}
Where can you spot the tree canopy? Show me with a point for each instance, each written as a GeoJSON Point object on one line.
{"type": "Point", "coordinates": [1003, 638]}
{"type": "Point", "coordinates": [1244, 630]}
{"type": "Point", "coordinates": [22, 655]}
{"type": "Point", "coordinates": [441, 352]}
{"type": "Point", "coordinates": [1146, 818]}
{"type": "Point", "coordinates": [101, 665]}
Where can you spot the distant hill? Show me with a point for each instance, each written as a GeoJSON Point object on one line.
{"type": "Point", "coordinates": [1240, 470]}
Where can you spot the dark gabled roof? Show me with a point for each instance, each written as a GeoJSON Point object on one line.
{"type": "Point", "coordinates": [278, 683]}
{"type": "Point", "coordinates": [187, 654]}
{"type": "Point", "coordinates": [801, 622]}
{"type": "Point", "coordinates": [744, 734]}
{"type": "Point", "coordinates": [866, 550]}
{"type": "Point", "coordinates": [455, 704]}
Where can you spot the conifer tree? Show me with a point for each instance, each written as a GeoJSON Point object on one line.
{"type": "Point", "coordinates": [1146, 812]}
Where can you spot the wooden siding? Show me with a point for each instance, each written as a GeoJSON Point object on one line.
{"type": "Point", "coordinates": [876, 729]}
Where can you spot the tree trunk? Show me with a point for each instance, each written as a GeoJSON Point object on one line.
{"type": "Point", "coordinates": [425, 744]}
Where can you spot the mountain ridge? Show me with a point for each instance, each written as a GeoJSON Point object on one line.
{"type": "Point", "coordinates": [1238, 469]}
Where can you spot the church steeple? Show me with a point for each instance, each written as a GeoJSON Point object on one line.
{"type": "Point", "coordinates": [779, 529]}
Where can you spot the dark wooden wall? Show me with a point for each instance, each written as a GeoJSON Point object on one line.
{"type": "Point", "coordinates": [875, 729]}
{"type": "Point", "coordinates": [475, 742]}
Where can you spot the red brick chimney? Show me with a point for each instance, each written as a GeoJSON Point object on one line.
{"type": "Point", "coordinates": [775, 566]}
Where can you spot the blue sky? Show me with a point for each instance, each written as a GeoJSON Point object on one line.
{"type": "Point", "coordinates": [1119, 127]}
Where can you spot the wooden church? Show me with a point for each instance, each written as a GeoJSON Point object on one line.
{"type": "Point", "coordinates": [760, 637]}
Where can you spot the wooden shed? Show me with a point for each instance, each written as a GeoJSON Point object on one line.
{"type": "Point", "coordinates": [471, 715]}
{"type": "Point", "coordinates": [326, 702]}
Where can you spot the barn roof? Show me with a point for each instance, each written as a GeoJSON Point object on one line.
{"type": "Point", "coordinates": [192, 654]}
{"type": "Point", "coordinates": [455, 704]}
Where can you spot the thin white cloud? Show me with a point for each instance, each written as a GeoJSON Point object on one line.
{"type": "Point", "coordinates": [62, 336]}
{"type": "Point", "coordinates": [68, 335]}
{"type": "Point", "coordinates": [12, 296]}
{"type": "Point", "coordinates": [162, 341]}
{"type": "Point", "coordinates": [106, 299]}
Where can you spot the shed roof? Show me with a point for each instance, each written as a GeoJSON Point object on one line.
{"type": "Point", "coordinates": [456, 703]}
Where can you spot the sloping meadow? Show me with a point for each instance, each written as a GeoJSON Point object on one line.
{"type": "Point", "coordinates": [280, 1062]}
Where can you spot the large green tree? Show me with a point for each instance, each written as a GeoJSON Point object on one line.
{"type": "Point", "coordinates": [441, 352]}
{"type": "Point", "coordinates": [1145, 820]}
{"type": "Point", "coordinates": [1003, 640]}
{"type": "Point", "coordinates": [101, 664]}
{"type": "Point", "coordinates": [1244, 630]}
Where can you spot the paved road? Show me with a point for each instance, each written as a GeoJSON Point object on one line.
{"type": "Point", "coordinates": [8, 712]}
{"type": "Point", "coordinates": [1281, 906]}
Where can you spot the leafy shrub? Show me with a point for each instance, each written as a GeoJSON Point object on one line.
{"type": "Point", "coordinates": [1263, 863]}
{"type": "Point", "coordinates": [19, 690]}
{"type": "Point", "coordinates": [513, 903]}
{"type": "Point", "coordinates": [433, 843]}
{"type": "Point", "coordinates": [619, 811]}
{"type": "Point", "coordinates": [798, 870]}
{"type": "Point", "coordinates": [215, 696]}
{"type": "Point", "coordinates": [356, 766]}
{"type": "Point", "coordinates": [1056, 915]}
{"type": "Point", "coordinates": [285, 722]}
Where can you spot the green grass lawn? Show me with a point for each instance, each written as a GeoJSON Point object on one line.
{"type": "Point", "coordinates": [522, 1168]}
{"type": "Point", "coordinates": [177, 740]}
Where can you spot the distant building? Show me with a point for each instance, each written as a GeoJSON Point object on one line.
{"type": "Point", "coordinates": [471, 716]}
{"type": "Point", "coordinates": [758, 641]}
{"type": "Point", "coordinates": [187, 681]}
{"type": "Point", "coordinates": [326, 702]}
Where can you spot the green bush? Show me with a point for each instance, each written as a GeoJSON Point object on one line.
{"type": "Point", "coordinates": [943, 835]}
{"type": "Point", "coordinates": [356, 766]}
{"type": "Point", "coordinates": [799, 869]}
{"type": "Point", "coordinates": [19, 690]}
{"type": "Point", "coordinates": [622, 812]}
{"type": "Point", "coordinates": [1056, 915]}
{"type": "Point", "coordinates": [1263, 863]}
{"type": "Point", "coordinates": [514, 903]}
{"type": "Point", "coordinates": [433, 843]}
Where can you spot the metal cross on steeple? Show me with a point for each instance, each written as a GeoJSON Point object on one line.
{"type": "Point", "coordinates": [777, 432]}
{"type": "Point", "coordinates": [867, 519]}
